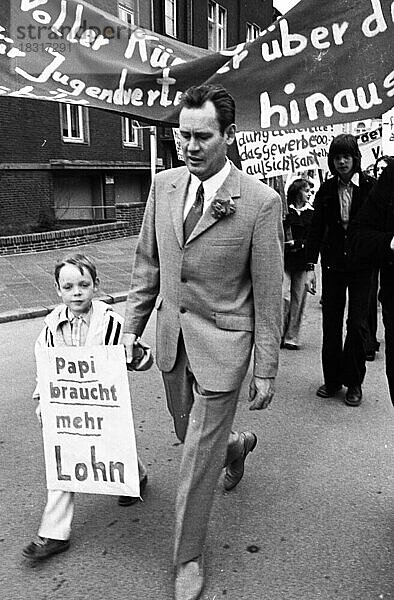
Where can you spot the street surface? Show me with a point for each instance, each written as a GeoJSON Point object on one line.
{"type": "Point", "coordinates": [312, 518]}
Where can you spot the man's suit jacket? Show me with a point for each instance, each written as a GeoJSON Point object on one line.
{"type": "Point", "coordinates": [222, 288]}
{"type": "Point", "coordinates": [373, 229]}
{"type": "Point", "coordinates": [327, 234]}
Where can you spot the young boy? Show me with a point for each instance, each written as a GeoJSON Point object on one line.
{"type": "Point", "coordinates": [79, 321]}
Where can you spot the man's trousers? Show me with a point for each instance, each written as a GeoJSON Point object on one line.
{"type": "Point", "coordinates": [344, 363]}
{"type": "Point", "coordinates": [387, 300]}
{"type": "Point", "coordinates": [203, 421]}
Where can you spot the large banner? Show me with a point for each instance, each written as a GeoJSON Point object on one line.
{"type": "Point", "coordinates": [323, 63]}
{"type": "Point", "coordinates": [267, 154]}
{"type": "Point", "coordinates": [88, 430]}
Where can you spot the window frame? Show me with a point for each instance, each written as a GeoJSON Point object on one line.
{"type": "Point", "coordinates": [253, 31]}
{"type": "Point", "coordinates": [66, 122]}
{"type": "Point", "coordinates": [170, 18]}
{"type": "Point", "coordinates": [217, 26]}
{"type": "Point", "coordinates": [130, 124]}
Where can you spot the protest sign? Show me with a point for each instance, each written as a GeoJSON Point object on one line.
{"type": "Point", "coordinates": [370, 144]}
{"type": "Point", "coordinates": [323, 63]}
{"type": "Point", "coordinates": [272, 153]}
{"type": "Point", "coordinates": [178, 143]}
{"type": "Point", "coordinates": [388, 133]}
{"type": "Point", "coordinates": [88, 431]}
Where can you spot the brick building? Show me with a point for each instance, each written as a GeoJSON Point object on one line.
{"type": "Point", "coordinates": [67, 164]}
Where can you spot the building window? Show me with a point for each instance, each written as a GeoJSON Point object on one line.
{"type": "Point", "coordinates": [252, 32]}
{"type": "Point", "coordinates": [74, 123]}
{"type": "Point", "coordinates": [217, 26]}
{"type": "Point", "coordinates": [131, 133]}
{"type": "Point", "coordinates": [128, 12]}
{"type": "Point", "coordinates": [170, 17]}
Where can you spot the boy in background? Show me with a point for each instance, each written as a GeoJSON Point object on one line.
{"type": "Point", "coordinates": [336, 205]}
{"type": "Point", "coordinates": [79, 321]}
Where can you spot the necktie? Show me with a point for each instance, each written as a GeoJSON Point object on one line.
{"type": "Point", "coordinates": [194, 214]}
{"type": "Point", "coordinates": [76, 325]}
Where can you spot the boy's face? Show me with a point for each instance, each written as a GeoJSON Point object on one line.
{"type": "Point", "coordinates": [344, 164]}
{"type": "Point", "coordinates": [76, 289]}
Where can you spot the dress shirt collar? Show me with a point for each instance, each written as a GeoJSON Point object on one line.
{"type": "Point", "coordinates": [355, 180]}
{"type": "Point", "coordinates": [302, 209]}
{"type": "Point", "coordinates": [212, 184]}
{"type": "Point", "coordinates": [68, 315]}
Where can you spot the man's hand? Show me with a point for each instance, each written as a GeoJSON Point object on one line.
{"type": "Point", "coordinates": [311, 282]}
{"type": "Point", "coordinates": [128, 341]}
{"type": "Point", "coordinates": [261, 392]}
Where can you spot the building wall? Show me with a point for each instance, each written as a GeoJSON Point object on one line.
{"type": "Point", "coordinates": [33, 134]}
{"type": "Point", "coordinates": [25, 197]}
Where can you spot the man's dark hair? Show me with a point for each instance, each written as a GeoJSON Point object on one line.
{"type": "Point", "coordinates": [80, 261]}
{"type": "Point", "coordinates": [295, 189]}
{"type": "Point", "coordinates": [345, 143]}
{"type": "Point", "coordinates": [196, 96]}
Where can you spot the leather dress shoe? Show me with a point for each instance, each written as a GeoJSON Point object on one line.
{"type": "Point", "coordinates": [353, 395]}
{"type": "Point", "coordinates": [370, 356]}
{"type": "Point", "coordinates": [44, 548]}
{"type": "Point", "coordinates": [130, 500]}
{"type": "Point", "coordinates": [326, 392]}
{"type": "Point", "coordinates": [189, 580]}
{"type": "Point", "coordinates": [235, 470]}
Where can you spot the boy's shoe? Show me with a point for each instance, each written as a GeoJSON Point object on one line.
{"type": "Point", "coordinates": [44, 548]}
{"type": "Point", "coordinates": [130, 500]}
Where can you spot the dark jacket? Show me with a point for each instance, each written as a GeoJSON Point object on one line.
{"type": "Point", "coordinates": [327, 234]}
{"type": "Point", "coordinates": [371, 232]}
{"type": "Point", "coordinates": [298, 224]}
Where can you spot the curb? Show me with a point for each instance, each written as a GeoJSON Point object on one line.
{"type": "Point", "coordinates": [19, 314]}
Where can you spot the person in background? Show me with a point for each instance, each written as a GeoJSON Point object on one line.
{"type": "Point", "coordinates": [336, 204]}
{"type": "Point", "coordinates": [78, 321]}
{"type": "Point", "coordinates": [372, 242]}
{"type": "Point", "coordinates": [210, 260]}
{"type": "Point", "coordinates": [373, 344]}
{"type": "Point", "coordinates": [296, 225]}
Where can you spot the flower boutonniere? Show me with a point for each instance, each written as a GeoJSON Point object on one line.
{"type": "Point", "coordinates": [222, 208]}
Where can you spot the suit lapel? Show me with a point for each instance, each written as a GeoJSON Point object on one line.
{"type": "Point", "coordinates": [229, 189]}
{"type": "Point", "coordinates": [176, 198]}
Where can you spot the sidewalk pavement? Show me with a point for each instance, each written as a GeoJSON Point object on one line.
{"type": "Point", "coordinates": [27, 282]}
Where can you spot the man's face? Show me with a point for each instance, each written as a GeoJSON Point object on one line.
{"type": "Point", "coordinates": [204, 147]}
{"type": "Point", "coordinates": [343, 164]}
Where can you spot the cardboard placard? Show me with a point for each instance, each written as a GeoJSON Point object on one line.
{"type": "Point", "coordinates": [88, 429]}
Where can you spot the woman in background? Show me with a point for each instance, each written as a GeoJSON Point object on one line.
{"type": "Point", "coordinates": [296, 224]}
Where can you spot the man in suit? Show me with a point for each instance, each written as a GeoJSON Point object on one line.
{"type": "Point", "coordinates": [209, 259]}
{"type": "Point", "coordinates": [372, 242]}
{"type": "Point", "coordinates": [336, 205]}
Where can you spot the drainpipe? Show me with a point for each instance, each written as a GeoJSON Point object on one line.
{"type": "Point", "coordinates": [153, 150]}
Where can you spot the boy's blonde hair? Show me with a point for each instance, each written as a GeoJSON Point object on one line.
{"type": "Point", "coordinates": [81, 261]}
